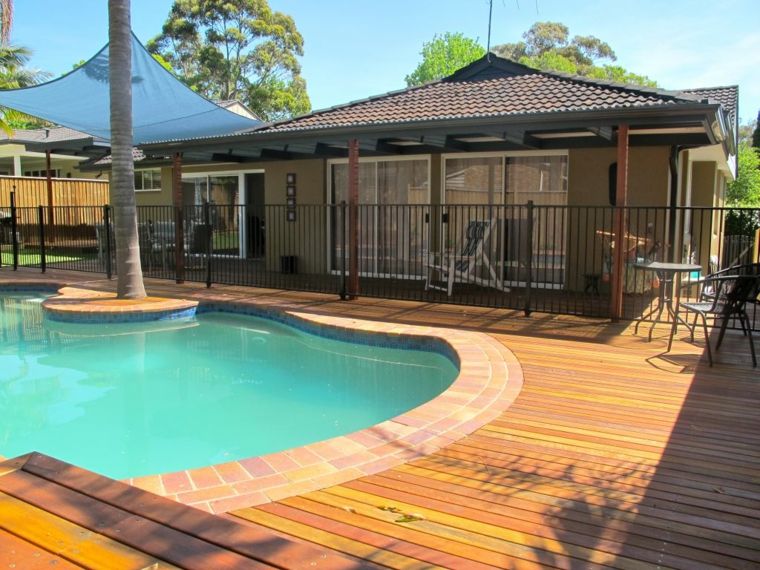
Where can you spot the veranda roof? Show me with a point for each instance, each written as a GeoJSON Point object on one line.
{"type": "Point", "coordinates": [163, 107]}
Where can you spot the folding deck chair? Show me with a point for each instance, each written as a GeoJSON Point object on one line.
{"type": "Point", "coordinates": [463, 267]}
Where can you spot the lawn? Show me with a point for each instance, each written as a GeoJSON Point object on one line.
{"type": "Point", "coordinates": [33, 258]}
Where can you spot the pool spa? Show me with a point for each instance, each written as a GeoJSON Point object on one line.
{"type": "Point", "coordinates": [133, 399]}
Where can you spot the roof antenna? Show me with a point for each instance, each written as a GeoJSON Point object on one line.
{"type": "Point", "coordinates": [490, 14]}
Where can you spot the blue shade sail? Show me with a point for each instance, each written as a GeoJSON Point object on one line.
{"type": "Point", "coordinates": [163, 107]}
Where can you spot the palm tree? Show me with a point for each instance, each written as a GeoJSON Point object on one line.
{"type": "Point", "coordinates": [6, 20]}
{"type": "Point", "coordinates": [14, 74]}
{"type": "Point", "coordinates": [129, 284]}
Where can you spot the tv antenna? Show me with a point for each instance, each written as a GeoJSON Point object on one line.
{"type": "Point", "coordinates": [490, 14]}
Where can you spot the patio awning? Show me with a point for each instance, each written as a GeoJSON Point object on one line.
{"type": "Point", "coordinates": [163, 107]}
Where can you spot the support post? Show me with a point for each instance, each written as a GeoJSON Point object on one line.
{"type": "Point", "coordinates": [41, 225]}
{"type": "Point", "coordinates": [353, 218]}
{"type": "Point", "coordinates": [14, 230]}
{"type": "Point", "coordinates": [619, 224]}
{"type": "Point", "coordinates": [529, 254]}
{"type": "Point", "coordinates": [107, 230]}
{"type": "Point", "coordinates": [209, 241]}
{"type": "Point", "coordinates": [49, 182]}
{"type": "Point", "coordinates": [344, 255]}
{"type": "Point", "coordinates": [179, 225]}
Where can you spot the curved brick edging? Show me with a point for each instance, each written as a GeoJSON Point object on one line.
{"type": "Point", "coordinates": [489, 380]}
{"type": "Point", "coordinates": [76, 305]}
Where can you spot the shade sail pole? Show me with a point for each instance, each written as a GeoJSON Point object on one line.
{"type": "Point", "coordinates": [619, 224]}
{"type": "Point", "coordinates": [353, 218]}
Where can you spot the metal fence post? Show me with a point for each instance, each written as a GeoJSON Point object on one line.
{"type": "Point", "coordinates": [529, 276]}
{"type": "Point", "coordinates": [209, 241]}
{"type": "Point", "coordinates": [107, 230]}
{"type": "Point", "coordinates": [14, 230]}
{"type": "Point", "coordinates": [343, 289]}
{"type": "Point", "coordinates": [41, 224]}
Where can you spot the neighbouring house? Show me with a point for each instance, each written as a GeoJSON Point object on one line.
{"type": "Point", "coordinates": [18, 156]}
{"type": "Point", "coordinates": [493, 133]}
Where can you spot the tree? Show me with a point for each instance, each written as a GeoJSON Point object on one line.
{"type": "Point", "coordinates": [756, 134]}
{"type": "Point", "coordinates": [15, 74]}
{"type": "Point", "coordinates": [129, 284]}
{"type": "Point", "coordinates": [745, 190]}
{"type": "Point", "coordinates": [547, 46]}
{"type": "Point", "coordinates": [442, 56]}
{"type": "Point", "coordinates": [236, 49]}
{"type": "Point", "coordinates": [6, 21]}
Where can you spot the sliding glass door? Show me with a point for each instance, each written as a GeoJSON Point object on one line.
{"type": "Point", "coordinates": [221, 193]}
{"type": "Point", "coordinates": [393, 195]}
{"type": "Point", "coordinates": [475, 184]}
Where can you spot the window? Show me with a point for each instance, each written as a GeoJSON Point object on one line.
{"type": "Point", "coordinates": [511, 180]}
{"type": "Point", "coordinates": [148, 180]}
{"type": "Point", "coordinates": [391, 238]}
{"type": "Point", "coordinates": [54, 173]}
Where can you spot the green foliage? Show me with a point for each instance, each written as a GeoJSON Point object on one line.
{"type": "Point", "coordinates": [442, 56]}
{"type": "Point", "coordinates": [742, 222]}
{"type": "Point", "coordinates": [745, 190]}
{"type": "Point", "coordinates": [15, 74]}
{"type": "Point", "coordinates": [236, 49]}
{"type": "Point", "coordinates": [756, 134]}
{"type": "Point", "coordinates": [547, 46]}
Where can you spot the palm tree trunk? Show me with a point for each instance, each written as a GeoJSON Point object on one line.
{"type": "Point", "coordinates": [129, 284]}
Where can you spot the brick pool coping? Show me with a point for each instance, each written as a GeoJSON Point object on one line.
{"type": "Point", "coordinates": [489, 380]}
{"type": "Point", "coordinates": [77, 305]}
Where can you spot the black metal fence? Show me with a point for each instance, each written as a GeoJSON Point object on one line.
{"type": "Point", "coordinates": [555, 259]}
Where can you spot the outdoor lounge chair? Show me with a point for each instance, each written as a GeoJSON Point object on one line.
{"type": "Point", "coordinates": [728, 298]}
{"type": "Point", "coordinates": [463, 267]}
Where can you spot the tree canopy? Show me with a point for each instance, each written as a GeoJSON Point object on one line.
{"type": "Point", "coordinates": [236, 49]}
{"type": "Point", "coordinates": [745, 190]}
{"type": "Point", "coordinates": [548, 46]}
{"type": "Point", "coordinates": [442, 56]}
{"type": "Point", "coordinates": [14, 73]}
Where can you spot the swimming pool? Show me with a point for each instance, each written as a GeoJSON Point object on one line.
{"type": "Point", "coordinates": [132, 399]}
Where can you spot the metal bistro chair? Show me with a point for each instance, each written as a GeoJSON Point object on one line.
{"type": "Point", "coordinates": [728, 298]}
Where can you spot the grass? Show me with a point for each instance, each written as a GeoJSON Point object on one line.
{"type": "Point", "coordinates": [33, 258]}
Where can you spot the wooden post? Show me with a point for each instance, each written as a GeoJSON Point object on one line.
{"type": "Point", "coordinates": [619, 224]}
{"type": "Point", "coordinates": [353, 218]}
{"type": "Point", "coordinates": [49, 181]}
{"type": "Point", "coordinates": [179, 225]}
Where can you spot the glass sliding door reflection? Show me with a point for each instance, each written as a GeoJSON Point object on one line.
{"type": "Point", "coordinates": [221, 193]}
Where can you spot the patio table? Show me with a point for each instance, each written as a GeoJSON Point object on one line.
{"type": "Point", "coordinates": [669, 275]}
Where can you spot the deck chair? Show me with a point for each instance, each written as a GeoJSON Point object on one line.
{"type": "Point", "coordinates": [463, 267]}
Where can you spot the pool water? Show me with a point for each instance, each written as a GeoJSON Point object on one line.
{"type": "Point", "coordinates": [127, 400]}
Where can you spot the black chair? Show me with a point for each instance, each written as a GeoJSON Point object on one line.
{"type": "Point", "coordinates": [727, 298]}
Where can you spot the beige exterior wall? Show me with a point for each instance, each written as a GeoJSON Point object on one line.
{"type": "Point", "coordinates": [648, 181]}
{"type": "Point", "coordinates": [588, 185]}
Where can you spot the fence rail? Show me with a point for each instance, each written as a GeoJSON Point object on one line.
{"type": "Point", "coordinates": [556, 259]}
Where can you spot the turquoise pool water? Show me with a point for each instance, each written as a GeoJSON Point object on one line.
{"type": "Point", "coordinates": [134, 399]}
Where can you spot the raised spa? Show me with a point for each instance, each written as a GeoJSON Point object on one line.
{"type": "Point", "coordinates": [133, 399]}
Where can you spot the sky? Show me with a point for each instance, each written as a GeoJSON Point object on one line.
{"type": "Point", "coordinates": [357, 48]}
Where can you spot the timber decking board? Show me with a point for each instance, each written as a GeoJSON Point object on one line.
{"type": "Point", "coordinates": [94, 522]}
{"type": "Point", "coordinates": [615, 454]}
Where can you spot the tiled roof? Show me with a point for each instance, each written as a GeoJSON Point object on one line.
{"type": "Point", "coordinates": [51, 134]}
{"type": "Point", "coordinates": [483, 89]}
{"type": "Point", "coordinates": [726, 96]}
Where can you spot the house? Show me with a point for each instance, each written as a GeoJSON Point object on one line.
{"type": "Point", "coordinates": [20, 157]}
{"type": "Point", "coordinates": [495, 133]}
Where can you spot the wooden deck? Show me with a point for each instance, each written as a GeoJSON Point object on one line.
{"type": "Point", "coordinates": [613, 455]}
{"type": "Point", "coordinates": [55, 515]}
